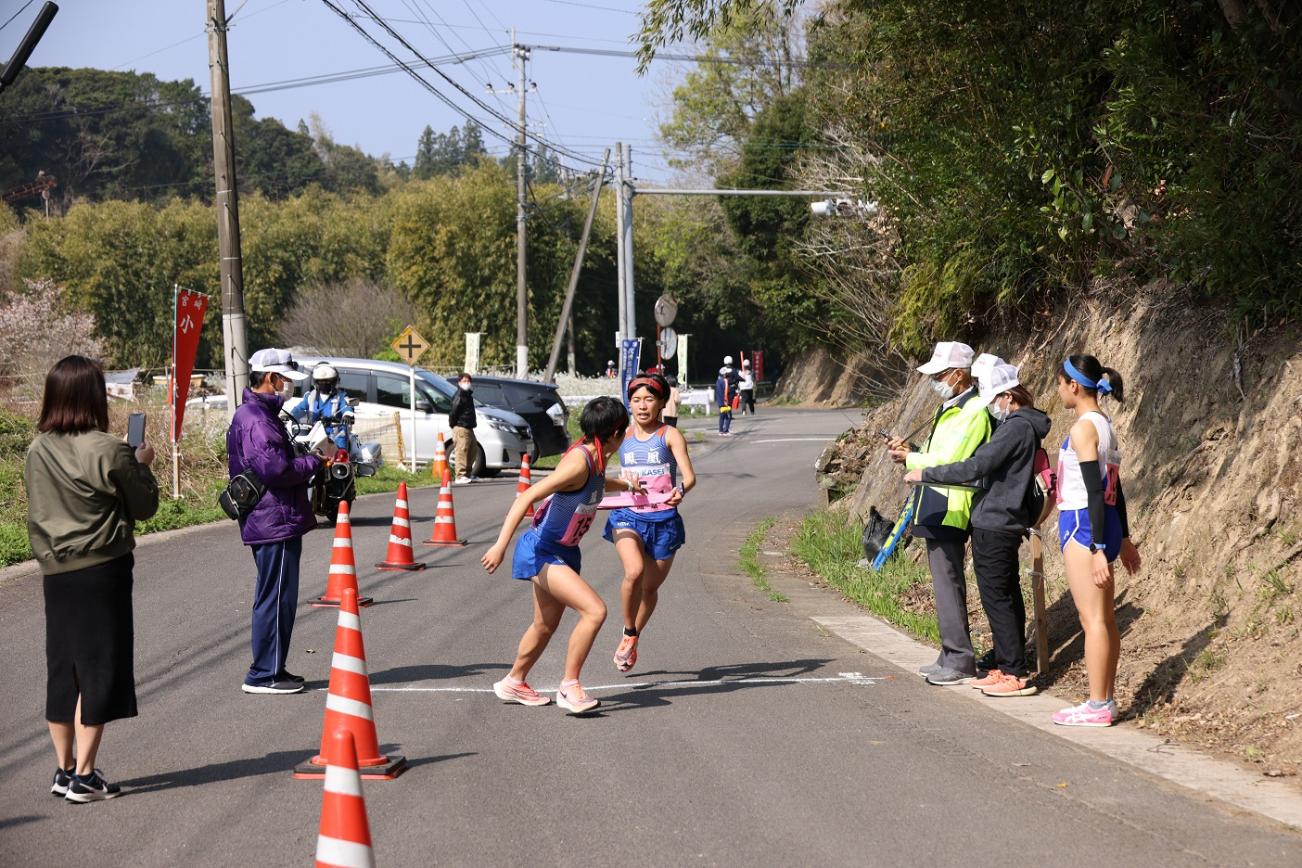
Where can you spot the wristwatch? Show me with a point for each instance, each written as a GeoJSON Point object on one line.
{"type": "Point", "coordinates": [1095, 548]}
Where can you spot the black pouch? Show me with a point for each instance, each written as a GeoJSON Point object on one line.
{"type": "Point", "coordinates": [241, 495]}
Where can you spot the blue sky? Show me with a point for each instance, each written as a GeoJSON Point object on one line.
{"type": "Point", "coordinates": [584, 102]}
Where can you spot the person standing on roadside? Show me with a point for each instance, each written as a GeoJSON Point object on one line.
{"type": "Point", "coordinates": [86, 489]}
{"type": "Point", "coordinates": [1001, 518]}
{"type": "Point", "coordinates": [274, 529]}
{"type": "Point", "coordinates": [941, 514]}
{"type": "Point", "coordinates": [671, 406]}
{"type": "Point", "coordinates": [463, 420]}
{"type": "Point", "coordinates": [746, 388]}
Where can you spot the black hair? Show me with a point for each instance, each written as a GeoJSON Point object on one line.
{"type": "Point", "coordinates": [602, 419]}
{"type": "Point", "coordinates": [672, 381]}
{"type": "Point", "coordinates": [1094, 370]}
{"type": "Point", "coordinates": [75, 399]}
{"type": "Point", "coordinates": [464, 376]}
{"type": "Point", "coordinates": [660, 390]}
{"type": "Point", "coordinates": [257, 378]}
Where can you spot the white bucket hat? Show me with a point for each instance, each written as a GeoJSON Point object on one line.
{"type": "Point", "coordinates": [948, 354]}
{"type": "Point", "coordinates": [277, 361]}
{"type": "Point", "coordinates": [998, 380]}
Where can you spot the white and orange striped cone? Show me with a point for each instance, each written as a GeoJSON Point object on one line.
{"type": "Point", "coordinates": [439, 465]}
{"type": "Point", "coordinates": [445, 518]}
{"type": "Point", "coordinates": [344, 837]}
{"type": "Point", "coordinates": [399, 556]}
{"type": "Point", "coordinates": [343, 568]}
{"type": "Point", "coordinates": [526, 480]}
{"type": "Point", "coordinates": [348, 703]}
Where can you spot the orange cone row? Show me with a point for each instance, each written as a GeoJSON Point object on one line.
{"type": "Point", "coordinates": [399, 555]}
{"type": "Point", "coordinates": [439, 465]}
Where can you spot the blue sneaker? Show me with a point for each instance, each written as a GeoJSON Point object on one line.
{"type": "Point", "coordinates": [59, 787]}
{"type": "Point", "coordinates": [91, 788]}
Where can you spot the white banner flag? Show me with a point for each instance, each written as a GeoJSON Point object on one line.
{"type": "Point", "coordinates": [472, 352]}
{"type": "Point", "coordinates": [682, 360]}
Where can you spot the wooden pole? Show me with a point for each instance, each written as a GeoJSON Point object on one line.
{"type": "Point", "coordinates": [568, 306]}
{"type": "Point", "coordinates": [1037, 592]}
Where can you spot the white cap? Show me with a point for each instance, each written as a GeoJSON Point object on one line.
{"type": "Point", "coordinates": [324, 371]}
{"type": "Point", "coordinates": [948, 354]}
{"type": "Point", "coordinates": [745, 363]}
{"type": "Point", "coordinates": [276, 361]}
{"type": "Point", "coordinates": [984, 363]}
{"type": "Point", "coordinates": [727, 360]}
{"type": "Point", "coordinates": [998, 379]}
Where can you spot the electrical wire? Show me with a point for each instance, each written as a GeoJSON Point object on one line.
{"type": "Point", "coordinates": [20, 11]}
{"type": "Point", "coordinates": [592, 6]}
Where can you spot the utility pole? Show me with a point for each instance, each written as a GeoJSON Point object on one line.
{"type": "Point", "coordinates": [626, 192]}
{"type": "Point", "coordinates": [234, 345]}
{"type": "Point", "coordinates": [567, 308]}
{"type": "Point", "coordinates": [521, 55]}
{"type": "Point", "coordinates": [622, 322]}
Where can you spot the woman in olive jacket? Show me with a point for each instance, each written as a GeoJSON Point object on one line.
{"type": "Point", "coordinates": [86, 489]}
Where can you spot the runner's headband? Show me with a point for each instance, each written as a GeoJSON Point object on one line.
{"type": "Point", "coordinates": [651, 384]}
{"type": "Point", "coordinates": [1103, 387]}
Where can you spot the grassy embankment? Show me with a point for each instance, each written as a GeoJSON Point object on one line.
{"type": "Point", "coordinates": [748, 560]}
{"type": "Point", "coordinates": [203, 476]}
{"type": "Point", "coordinates": [830, 546]}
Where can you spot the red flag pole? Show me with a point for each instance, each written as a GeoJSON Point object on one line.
{"type": "Point", "coordinates": [176, 440]}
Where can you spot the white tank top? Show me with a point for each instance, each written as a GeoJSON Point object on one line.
{"type": "Point", "coordinates": [1071, 485]}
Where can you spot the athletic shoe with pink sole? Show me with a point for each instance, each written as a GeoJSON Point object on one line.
{"type": "Point", "coordinates": [626, 654]}
{"type": "Point", "coordinates": [1084, 715]}
{"type": "Point", "coordinates": [521, 693]}
{"type": "Point", "coordinates": [1010, 685]}
{"type": "Point", "coordinates": [574, 699]}
{"type": "Point", "coordinates": [990, 679]}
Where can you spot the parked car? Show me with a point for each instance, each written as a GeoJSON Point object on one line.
{"type": "Point", "coordinates": [384, 387]}
{"type": "Point", "coordinates": [538, 403]}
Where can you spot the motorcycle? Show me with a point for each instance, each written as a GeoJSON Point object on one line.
{"type": "Point", "coordinates": [336, 482]}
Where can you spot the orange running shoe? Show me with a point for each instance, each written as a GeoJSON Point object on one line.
{"type": "Point", "coordinates": [626, 653]}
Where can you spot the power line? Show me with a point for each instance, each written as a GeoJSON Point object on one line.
{"type": "Point", "coordinates": [592, 6]}
{"type": "Point", "coordinates": [20, 11]}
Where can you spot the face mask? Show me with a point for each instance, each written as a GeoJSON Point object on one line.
{"type": "Point", "coordinates": [465, 387]}
{"type": "Point", "coordinates": [1000, 413]}
{"type": "Point", "coordinates": [287, 389]}
{"type": "Point", "coordinates": [943, 389]}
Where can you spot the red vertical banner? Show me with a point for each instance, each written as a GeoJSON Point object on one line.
{"type": "Point", "coordinates": [757, 364]}
{"type": "Point", "coordinates": [190, 308]}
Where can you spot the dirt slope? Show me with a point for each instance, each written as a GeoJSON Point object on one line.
{"type": "Point", "coordinates": [1211, 432]}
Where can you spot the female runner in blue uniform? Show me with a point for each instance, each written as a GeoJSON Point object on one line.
{"type": "Point", "coordinates": [548, 555]}
{"type": "Point", "coordinates": [646, 537]}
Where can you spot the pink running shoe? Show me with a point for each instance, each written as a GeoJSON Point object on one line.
{"type": "Point", "coordinates": [573, 699]}
{"type": "Point", "coordinates": [1011, 685]}
{"type": "Point", "coordinates": [990, 678]}
{"type": "Point", "coordinates": [626, 654]}
{"type": "Point", "coordinates": [1083, 715]}
{"type": "Point", "coordinates": [521, 693]}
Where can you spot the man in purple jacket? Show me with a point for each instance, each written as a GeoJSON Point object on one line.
{"type": "Point", "coordinates": [257, 441]}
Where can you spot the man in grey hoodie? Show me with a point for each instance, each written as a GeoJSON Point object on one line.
{"type": "Point", "coordinates": [1004, 468]}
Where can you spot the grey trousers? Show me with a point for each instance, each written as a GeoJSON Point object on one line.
{"type": "Point", "coordinates": [947, 580]}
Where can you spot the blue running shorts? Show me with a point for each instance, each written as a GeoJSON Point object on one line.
{"type": "Point", "coordinates": [532, 553]}
{"type": "Point", "coordinates": [1074, 526]}
{"type": "Point", "coordinates": [660, 537]}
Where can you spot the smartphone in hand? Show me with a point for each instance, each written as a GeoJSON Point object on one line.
{"type": "Point", "coordinates": [135, 429]}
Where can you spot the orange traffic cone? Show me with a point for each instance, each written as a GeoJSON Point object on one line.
{"type": "Point", "coordinates": [445, 519]}
{"type": "Point", "coordinates": [399, 556]}
{"type": "Point", "coordinates": [344, 839]}
{"type": "Point", "coordinates": [348, 704]}
{"type": "Point", "coordinates": [526, 480]}
{"type": "Point", "coordinates": [439, 465]}
{"type": "Point", "coordinates": [343, 569]}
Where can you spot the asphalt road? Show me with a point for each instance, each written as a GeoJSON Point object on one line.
{"type": "Point", "coordinates": [744, 736]}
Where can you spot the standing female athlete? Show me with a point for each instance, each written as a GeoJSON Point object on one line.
{"type": "Point", "coordinates": [646, 537]}
{"type": "Point", "coordinates": [1092, 529]}
{"type": "Point", "coordinates": [548, 555]}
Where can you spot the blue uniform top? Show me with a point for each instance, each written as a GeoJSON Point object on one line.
{"type": "Point", "coordinates": [653, 462]}
{"type": "Point", "coordinates": [315, 409]}
{"type": "Point", "coordinates": [565, 516]}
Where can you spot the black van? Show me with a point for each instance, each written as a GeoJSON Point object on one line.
{"type": "Point", "coordinates": [539, 403]}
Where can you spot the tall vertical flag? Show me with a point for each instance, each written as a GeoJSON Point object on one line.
{"type": "Point", "coordinates": [472, 352]}
{"type": "Point", "coordinates": [190, 307]}
{"type": "Point", "coordinates": [682, 360]}
{"type": "Point", "coordinates": [757, 364]}
{"type": "Point", "coordinates": [630, 357]}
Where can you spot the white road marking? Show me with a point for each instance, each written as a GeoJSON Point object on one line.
{"type": "Point", "coordinates": [798, 440]}
{"type": "Point", "coordinates": [841, 678]}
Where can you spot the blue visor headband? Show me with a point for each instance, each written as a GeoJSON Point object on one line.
{"type": "Point", "coordinates": [1103, 387]}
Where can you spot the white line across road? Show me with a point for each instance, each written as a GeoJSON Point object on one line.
{"type": "Point", "coordinates": [840, 678]}
{"type": "Point", "coordinates": [798, 440]}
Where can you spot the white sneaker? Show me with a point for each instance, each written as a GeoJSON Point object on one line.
{"type": "Point", "coordinates": [462, 480]}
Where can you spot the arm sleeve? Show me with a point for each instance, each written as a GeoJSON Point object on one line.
{"type": "Point", "coordinates": [266, 455]}
{"type": "Point", "coordinates": [1089, 471]}
{"type": "Point", "coordinates": [135, 484]}
{"type": "Point", "coordinates": [299, 410]}
{"type": "Point", "coordinates": [1121, 512]}
{"type": "Point", "coordinates": [987, 458]}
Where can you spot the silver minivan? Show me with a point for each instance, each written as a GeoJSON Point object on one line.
{"type": "Point", "coordinates": [384, 387]}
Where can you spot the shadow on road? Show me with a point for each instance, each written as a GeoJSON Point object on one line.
{"type": "Point", "coordinates": [275, 762]}
{"type": "Point", "coordinates": [433, 672]}
{"type": "Point", "coordinates": [11, 822]}
{"type": "Point", "coordinates": [430, 760]}
{"type": "Point", "coordinates": [788, 669]}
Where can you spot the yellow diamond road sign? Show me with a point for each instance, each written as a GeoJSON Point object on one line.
{"type": "Point", "coordinates": [410, 345]}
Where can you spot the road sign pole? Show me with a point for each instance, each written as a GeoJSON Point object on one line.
{"type": "Point", "coordinates": [410, 346]}
{"type": "Point", "coordinates": [411, 369]}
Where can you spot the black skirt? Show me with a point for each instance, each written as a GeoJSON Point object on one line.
{"type": "Point", "coordinates": [89, 644]}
